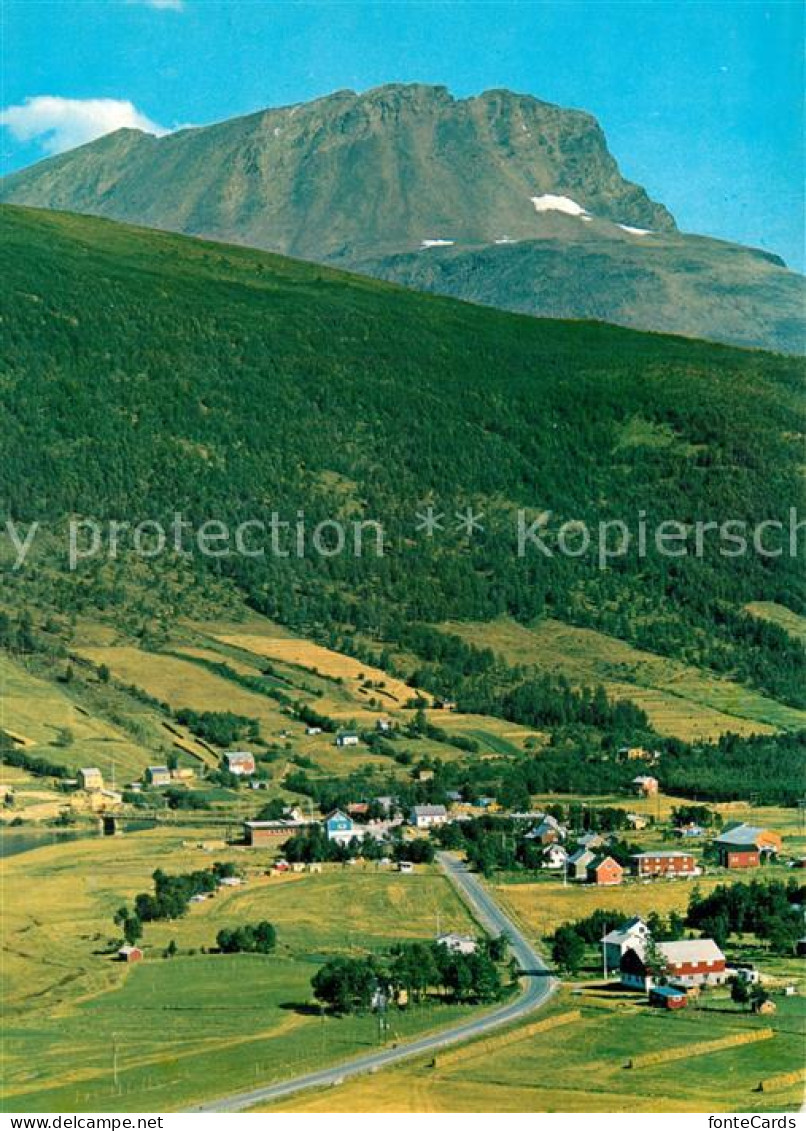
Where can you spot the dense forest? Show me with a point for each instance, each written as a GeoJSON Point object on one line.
{"type": "Point", "coordinates": [147, 375]}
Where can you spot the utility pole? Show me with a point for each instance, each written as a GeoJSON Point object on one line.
{"type": "Point", "coordinates": [604, 952]}
{"type": "Point", "coordinates": [115, 1063]}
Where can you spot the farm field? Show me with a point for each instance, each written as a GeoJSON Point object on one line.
{"type": "Point", "coordinates": [791, 622]}
{"type": "Point", "coordinates": [680, 700]}
{"type": "Point", "coordinates": [582, 1067]}
{"type": "Point", "coordinates": [196, 1025]}
{"type": "Point", "coordinates": [39, 711]}
{"type": "Point", "coordinates": [334, 665]}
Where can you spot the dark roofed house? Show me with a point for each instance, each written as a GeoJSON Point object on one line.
{"type": "Point", "coordinates": [578, 863]}
{"type": "Point", "coordinates": [428, 816]}
{"type": "Point", "coordinates": [668, 997]}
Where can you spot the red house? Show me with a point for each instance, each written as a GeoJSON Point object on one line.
{"type": "Point", "coordinates": [130, 954]}
{"type": "Point", "coordinates": [652, 864]}
{"type": "Point", "coordinates": [605, 871]}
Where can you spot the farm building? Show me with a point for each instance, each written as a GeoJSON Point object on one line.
{"type": "Point", "coordinates": [90, 778]}
{"type": "Point", "coordinates": [645, 785]}
{"type": "Point", "coordinates": [384, 725]}
{"type": "Point", "coordinates": [459, 944]}
{"type": "Point", "coordinates": [339, 827]}
{"type": "Point", "coordinates": [240, 762]}
{"type": "Point", "coordinates": [634, 933]}
{"type": "Point", "coordinates": [428, 816]}
{"type": "Point", "coordinates": [158, 775]}
{"type": "Point", "coordinates": [183, 773]}
{"type": "Point", "coordinates": [667, 997]}
{"type": "Point", "coordinates": [652, 864]}
{"type": "Point", "coordinates": [258, 833]}
{"type": "Point", "coordinates": [745, 846]}
{"type": "Point", "coordinates": [130, 954]}
{"type": "Point", "coordinates": [578, 863]}
{"type": "Point", "coordinates": [604, 871]}
{"type": "Point", "coordinates": [591, 840]}
{"type": "Point", "coordinates": [347, 740]}
{"type": "Point", "coordinates": [406, 867]}
{"type": "Point", "coordinates": [637, 821]}
{"type": "Point", "coordinates": [688, 962]}
{"type": "Point", "coordinates": [549, 831]}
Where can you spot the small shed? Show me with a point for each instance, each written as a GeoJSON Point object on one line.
{"type": "Point", "coordinates": [130, 954]}
{"type": "Point", "coordinates": [667, 997]}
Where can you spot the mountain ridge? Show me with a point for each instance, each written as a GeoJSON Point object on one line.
{"type": "Point", "coordinates": [407, 182]}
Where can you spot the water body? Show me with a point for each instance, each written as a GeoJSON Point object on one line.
{"type": "Point", "coordinates": [15, 841]}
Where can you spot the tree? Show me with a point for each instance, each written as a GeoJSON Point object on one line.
{"type": "Point", "coordinates": [567, 950]}
{"type": "Point", "coordinates": [171, 949]}
{"type": "Point", "coordinates": [655, 964]}
{"type": "Point", "coordinates": [132, 929]}
{"type": "Point", "coordinates": [739, 992]}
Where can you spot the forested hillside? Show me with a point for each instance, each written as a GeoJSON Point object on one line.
{"type": "Point", "coordinates": [146, 374]}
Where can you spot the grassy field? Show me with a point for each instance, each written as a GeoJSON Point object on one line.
{"type": "Point", "coordinates": [792, 623]}
{"type": "Point", "coordinates": [39, 711]}
{"type": "Point", "coordinates": [197, 1025]}
{"type": "Point", "coordinates": [680, 700]}
{"type": "Point", "coordinates": [582, 1068]}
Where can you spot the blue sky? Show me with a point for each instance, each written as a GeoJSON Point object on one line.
{"type": "Point", "coordinates": [702, 103]}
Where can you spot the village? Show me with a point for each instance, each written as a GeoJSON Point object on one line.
{"type": "Point", "coordinates": [290, 832]}
{"type": "Point", "coordinates": [672, 973]}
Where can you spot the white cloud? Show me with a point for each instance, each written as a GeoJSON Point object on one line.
{"type": "Point", "coordinates": [63, 123]}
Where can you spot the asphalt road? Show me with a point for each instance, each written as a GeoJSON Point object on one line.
{"type": "Point", "coordinates": [537, 987]}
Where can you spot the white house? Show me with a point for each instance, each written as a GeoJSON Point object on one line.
{"type": "Point", "coordinates": [459, 944]}
{"type": "Point", "coordinates": [555, 856]}
{"type": "Point", "coordinates": [240, 762]}
{"type": "Point", "coordinates": [340, 828]}
{"type": "Point", "coordinates": [428, 816]}
{"type": "Point", "coordinates": [633, 934]}
{"type": "Point", "coordinates": [347, 740]}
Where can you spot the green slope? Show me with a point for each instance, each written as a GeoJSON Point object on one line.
{"type": "Point", "coordinates": [146, 374]}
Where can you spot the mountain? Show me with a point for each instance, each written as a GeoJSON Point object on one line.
{"type": "Point", "coordinates": [500, 198]}
{"type": "Point", "coordinates": [147, 375]}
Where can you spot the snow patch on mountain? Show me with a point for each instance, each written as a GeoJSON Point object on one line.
{"type": "Point", "coordinates": [551, 203]}
{"type": "Point", "coordinates": [635, 231]}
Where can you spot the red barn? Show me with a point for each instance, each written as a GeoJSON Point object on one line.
{"type": "Point", "coordinates": [688, 962]}
{"type": "Point", "coordinates": [130, 954]}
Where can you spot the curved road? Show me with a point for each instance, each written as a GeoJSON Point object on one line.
{"type": "Point", "coordinates": [538, 987]}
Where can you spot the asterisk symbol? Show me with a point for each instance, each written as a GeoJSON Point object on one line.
{"type": "Point", "coordinates": [429, 521]}
{"type": "Point", "coordinates": [468, 521]}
